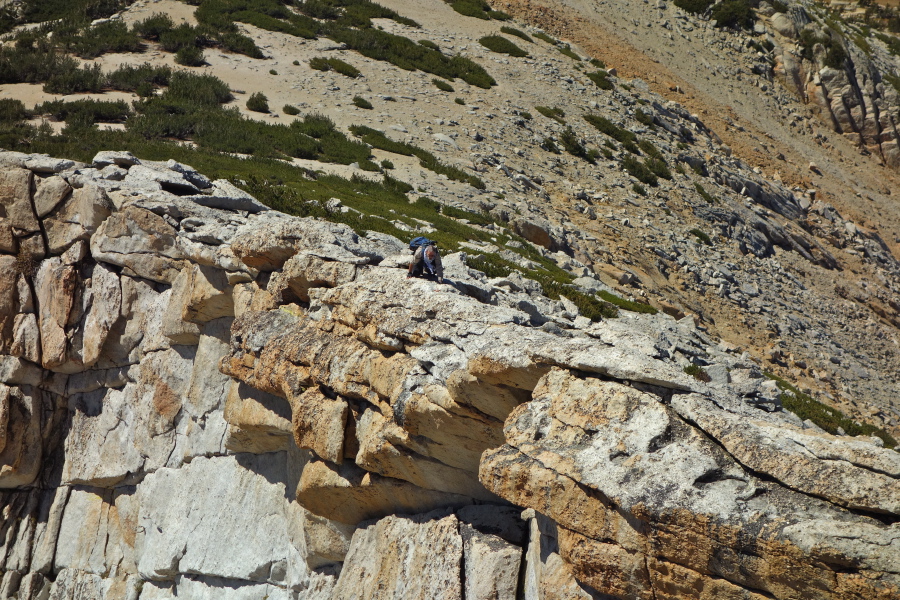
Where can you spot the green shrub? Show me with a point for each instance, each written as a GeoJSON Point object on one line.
{"type": "Point", "coordinates": [779, 6]}
{"type": "Point", "coordinates": [377, 139]}
{"type": "Point", "coordinates": [273, 72]}
{"type": "Point", "coordinates": [607, 127]}
{"type": "Point", "coordinates": [643, 118]}
{"type": "Point", "coordinates": [704, 194]}
{"type": "Point", "coordinates": [701, 236]}
{"type": "Point", "coordinates": [290, 109]}
{"type": "Point", "coordinates": [442, 85]}
{"type": "Point", "coordinates": [554, 113]}
{"type": "Point", "coordinates": [600, 79]}
{"type": "Point", "coordinates": [516, 32]}
{"type": "Point", "coordinates": [296, 63]}
{"type": "Point", "coordinates": [154, 26]}
{"type": "Point", "coordinates": [598, 63]}
{"type": "Point", "coordinates": [549, 145]}
{"type": "Point", "coordinates": [368, 165]}
{"type": "Point", "coordinates": [93, 111]}
{"type": "Point", "coordinates": [478, 9]}
{"type": "Point", "coordinates": [698, 373]}
{"type": "Point", "coordinates": [639, 171]}
{"type": "Point", "coordinates": [112, 36]}
{"type": "Point", "coordinates": [180, 37]}
{"type": "Point", "coordinates": [12, 110]}
{"type": "Point", "coordinates": [498, 43]}
{"type": "Point", "coordinates": [190, 56]}
{"type": "Point", "coordinates": [622, 303]}
{"type": "Point", "coordinates": [573, 145]}
{"type": "Point", "coordinates": [430, 44]}
{"type": "Point", "coordinates": [460, 101]}
{"type": "Point", "coordinates": [829, 419]}
{"type": "Point", "coordinates": [386, 164]}
{"type": "Point", "coordinates": [639, 189]}
{"type": "Point", "coordinates": [566, 50]}
{"type": "Point", "coordinates": [543, 36]}
{"type": "Point", "coordinates": [362, 102]}
{"type": "Point", "coordinates": [733, 13]}
{"type": "Point", "coordinates": [321, 63]}
{"type": "Point", "coordinates": [695, 7]}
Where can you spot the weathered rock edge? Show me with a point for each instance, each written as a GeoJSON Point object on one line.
{"type": "Point", "coordinates": [169, 361]}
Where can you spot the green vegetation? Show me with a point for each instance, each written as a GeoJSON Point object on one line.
{"type": "Point", "coordinates": [442, 85]}
{"type": "Point", "coordinates": [362, 102]}
{"type": "Point", "coordinates": [543, 36]}
{"type": "Point", "coordinates": [600, 79]}
{"type": "Point", "coordinates": [643, 118]}
{"type": "Point", "coordinates": [91, 111]}
{"type": "Point", "coordinates": [190, 56]}
{"type": "Point", "coordinates": [517, 32]}
{"type": "Point", "coordinates": [624, 304]}
{"type": "Point", "coordinates": [574, 146]}
{"type": "Point", "coordinates": [704, 194]}
{"type": "Point", "coordinates": [526, 115]}
{"type": "Point", "coordinates": [377, 139]}
{"type": "Point", "coordinates": [478, 9]}
{"type": "Point", "coordinates": [638, 189]}
{"type": "Point", "coordinates": [257, 102]}
{"type": "Point", "coordinates": [554, 113]}
{"type": "Point", "coordinates": [733, 13]}
{"type": "Point", "coordinates": [322, 63]}
{"type": "Point", "coordinates": [698, 373]}
{"type": "Point", "coordinates": [779, 6]}
{"type": "Point", "coordinates": [290, 109]}
{"type": "Point", "coordinates": [567, 50]}
{"type": "Point", "coordinates": [549, 145]}
{"type": "Point", "coordinates": [386, 164]}
{"type": "Point", "coordinates": [829, 419]}
{"type": "Point", "coordinates": [498, 43]}
{"type": "Point", "coordinates": [701, 236]}
{"type": "Point", "coordinates": [598, 63]}
{"type": "Point", "coordinates": [460, 101]}
{"type": "Point", "coordinates": [607, 127]}
{"type": "Point", "coordinates": [835, 54]}
{"type": "Point", "coordinates": [430, 44]}
{"type": "Point", "coordinates": [639, 170]}
{"type": "Point", "coordinates": [696, 7]}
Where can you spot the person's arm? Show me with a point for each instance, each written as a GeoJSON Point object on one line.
{"type": "Point", "coordinates": [416, 259]}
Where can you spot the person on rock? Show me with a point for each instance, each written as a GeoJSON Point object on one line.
{"type": "Point", "coordinates": [426, 262]}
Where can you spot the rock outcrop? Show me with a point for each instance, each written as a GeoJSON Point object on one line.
{"type": "Point", "coordinates": [204, 398]}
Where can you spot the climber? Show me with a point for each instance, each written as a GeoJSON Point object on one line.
{"type": "Point", "coordinates": [425, 261]}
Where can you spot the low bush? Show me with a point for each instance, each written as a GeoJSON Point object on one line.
{"type": "Point", "coordinates": [638, 189]}
{"type": "Point", "coordinates": [554, 113]}
{"type": "Point", "coordinates": [321, 63]}
{"type": "Point", "coordinates": [190, 56]}
{"type": "Point", "coordinates": [573, 145]}
{"type": "Point", "coordinates": [517, 32]}
{"type": "Point", "coordinates": [695, 7]}
{"type": "Point", "coordinates": [429, 44]}
{"type": "Point", "coordinates": [478, 9]}
{"type": "Point", "coordinates": [12, 110]}
{"type": "Point", "coordinates": [736, 14]}
{"type": "Point", "coordinates": [601, 80]}
{"type": "Point", "coordinates": [94, 111]}
{"type": "Point", "coordinates": [639, 171]}
{"type": "Point", "coordinates": [644, 118]}
{"type": "Point", "coordinates": [442, 85]}
{"type": "Point", "coordinates": [623, 136]}
{"type": "Point", "coordinates": [154, 26]}
{"type": "Point", "coordinates": [498, 43]}
{"type": "Point", "coordinates": [704, 194]}
{"type": "Point", "coordinates": [460, 101]}
{"type": "Point", "coordinates": [362, 102]}
{"type": "Point", "coordinates": [386, 164]}
{"type": "Point", "coordinates": [543, 36]}
{"type": "Point", "coordinates": [567, 51]}
{"type": "Point", "coordinates": [701, 236]}
{"type": "Point", "coordinates": [829, 419]}
{"type": "Point", "coordinates": [290, 109]}
{"type": "Point", "coordinates": [698, 373]}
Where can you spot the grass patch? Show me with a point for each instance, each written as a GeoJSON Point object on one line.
{"type": "Point", "coordinates": [829, 419]}
{"type": "Point", "coordinates": [698, 373]}
{"type": "Point", "coordinates": [501, 45]}
{"type": "Point", "coordinates": [427, 160]}
{"type": "Point", "coordinates": [704, 194]}
{"type": "Point", "coordinates": [607, 127]}
{"type": "Point", "coordinates": [442, 85]}
{"type": "Point", "coordinates": [701, 236]}
{"type": "Point", "coordinates": [322, 63]}
{"type": "Point", "coordinates": [600, 79]}
{"type": "Point", "coordinates": [554, 113]}
{"type": "Point", "coordinates": [478, 9]}
{"type": "Point", "coordinates": [516, 32]}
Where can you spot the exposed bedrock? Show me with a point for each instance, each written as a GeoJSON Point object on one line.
{"type": "Point", "coordinates": [201, 398]}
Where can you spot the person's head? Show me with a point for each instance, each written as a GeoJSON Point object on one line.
{"type": "Point", "coordinates": [430, 253]}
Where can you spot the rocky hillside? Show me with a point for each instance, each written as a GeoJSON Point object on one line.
{"type": "Point", "coordinates": [663, 364]}
{"type": "Point", "coordinates": [205, 398]}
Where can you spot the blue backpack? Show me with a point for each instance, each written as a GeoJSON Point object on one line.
{"type": "Point", "coordinates": [420, 241]}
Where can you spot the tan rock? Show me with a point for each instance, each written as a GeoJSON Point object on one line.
{"type": "Point", "coordinates": [409, 558]}
{"type": "Point", "coordinates": [56, 285]}
{"type": "Point", "coordinates": [319, 423]}
{"type": "Point", "coordinates": [20, 459]}
{"type": "Point", "coordinates": [141, 242]}
{"type": "Point", "coordinates": [9, 297]}
{"type": "Point", "coordinates": [258, 422]}
{"type": "Point", "coordinates": [17, 210]}
{"type": "Point", "coordinates": [348, 494]}
{"type": "Point", "coordinates": [26, 338]}
{"type": "Point", "coordinates": [49, 192]}
{"type": "Point", "coordinates": [106, 306]}
{"type": "Point", "coordinates": [209, 297]}
{"type": "Point", "coordinates": [174, 326]}
{"type": "Point", "coordinates": [304, 271]}
{"type": "Point", "coordinates": [78, 218]}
